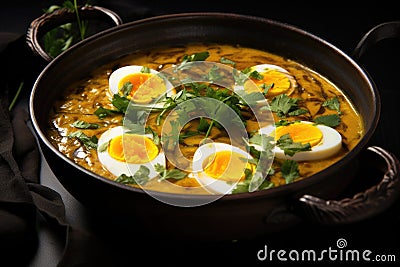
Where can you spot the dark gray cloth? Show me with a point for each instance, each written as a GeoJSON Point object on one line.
{"type": "Point", "coordinates": [23, 199]}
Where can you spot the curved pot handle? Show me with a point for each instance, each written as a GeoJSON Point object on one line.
{"type": "Point", "coordinates": [48, 21]}
{"type": "Point", "coordinates": [380, 32]}
{"type": "Point", "coordinates": [362, 205]}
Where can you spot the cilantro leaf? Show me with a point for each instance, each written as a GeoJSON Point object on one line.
{"type": "Point", "coordinates": [290, 170]}
{"type": "Point", "coordinates": [266, 87]}
{"type": "Point", "coordinates": [283, 105]}
{"type": "Point", "coordinates": [264, 141]}
{"type": "Point", "coordinates": [145, 69]}
{"type": "Point", "coordinates": [256, 75]}
{"type": "Point", "coordinates": [85, 125]}
{"type": "Point", "coordinates": [125, 179]}
{"type": "Point", "coordinates": [203, 125]}
{"type": "Point", "coordinates": [140, 177]}
{"type": "Point", "coordinates": [298, 112]}
{"type": "Point", "coordinates": [103, 147]}
{"type": "Point", "coordinates": [104, 112]}
{"type": "Point", "coordinates": [169, 174]}
{"type": "Point", "coordinates": [200, 56]}
{"type": "Point", "coordinates": [225, 60]}
{"type": "Point", "coordinates": [283, 123]}
{"type": "Point", "coordinates": [126, 88]}
{"type": "Point", "coordinates": [88, 142]}
{"type": "Point", "coordinates": [120, 102]}
{"type": "Point", "coordinates": [333, 104]}
{"type": "Point", "coordinates": [243, 186]}
{"type": "Point", "coordinates": [285, 142]}
{"type": "Point", "coordinates": [332, 120]}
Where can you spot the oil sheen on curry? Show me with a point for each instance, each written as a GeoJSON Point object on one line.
{"type": "Point", "coordinates": [122, 122]}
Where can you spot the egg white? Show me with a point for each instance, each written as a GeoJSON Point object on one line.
{"type": "Point", "coordinates": [117, 167]}
{"type": "Point", "coordinates": [120, 73]}
{"type": "Point", "coordinates": [330, 144]}
{"type": "Point", "coordinates": [213, 185]}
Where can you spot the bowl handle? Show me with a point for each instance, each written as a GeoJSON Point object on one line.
{"type": "Point", "coordinates": [41, 25]}
{"type": "Point", "coordinates": [362, 205]}
{"type": "Point", "coordinates": [380, 32]}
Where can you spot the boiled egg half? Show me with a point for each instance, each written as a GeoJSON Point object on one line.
{"type": "Point", "coordinates": [325, 141]}
{"type": "Point", "coordinates": [272, 80]}
{"type": "Point", "coordinates": [218, 167]}
{"type": "Point", "coordinates": [139, 84]}
{"type": "Point", "coordinates": [122, 152]}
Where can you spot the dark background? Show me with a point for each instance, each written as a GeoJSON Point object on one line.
{"type": "Point", "coordinates": [335, 22]}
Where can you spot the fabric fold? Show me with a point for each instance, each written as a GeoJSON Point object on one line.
{"type": "Point", "coordinates": [23, 198]}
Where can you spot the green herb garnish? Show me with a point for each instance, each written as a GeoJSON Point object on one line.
{"type": "Point", "coordinates": [225, 60]}
{"type": "Point", "coordinates": [145, 69]}
{"type": "Point", "coordinates": [120, 102]}
{"type": "Point", "coordinates": [62, 37]}
{"type": "Point", "coordinates": [200, 56]}
{"type": "Point", "coordinates": [169, 174]}
{"type": "Point", "coordinates": [290, 170]}
{"type": "Point", "coordinates": [203, 125]}
{"type": "Point", "coordinates": [88, 142]}
{"type": "Point", "coordinates": [285, 142]}
{"type": "Point", "coordinates": [103, 147]}
{"type": "Point", "coordinates": [85, 125]}
{"type": "Point", "coordinates": [126, 89]}
{"type": "Point", "coordinates": [332, 120]}
{"type": "Point", "coordinates": [285, 106]}
{"type": "Point", "coordinates": [333, 104]}
{"type": "Point", "coordinates": [140, 177]}
{"type": "Point", "coordinates": [101, 112]}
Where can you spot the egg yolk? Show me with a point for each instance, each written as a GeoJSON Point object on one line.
{"type": "Point", "coordinates": [144, 90]}
{"type": "Point", "coordinates": [226, 165]}
{"type": "Point", "coordinates": [300, 133]}
{"type": "Point", "coordinates": [279, 80]}
{"type": "Point", "coordinates": [132, 148]}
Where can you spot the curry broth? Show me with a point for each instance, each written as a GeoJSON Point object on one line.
{"type": "Point", "coordinates": [82, 99]}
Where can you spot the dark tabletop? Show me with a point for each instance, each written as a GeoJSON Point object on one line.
{"type": "Point", "coordinates": [339, 25]}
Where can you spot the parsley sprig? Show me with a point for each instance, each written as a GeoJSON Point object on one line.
{"type": "Point", "coordinates": [285, 142]}
{"type": "Point", "coordinates": [284, 106]}
{"type": "Point", "coordinates": [142, 175]}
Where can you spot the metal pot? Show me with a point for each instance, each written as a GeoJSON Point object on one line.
{"type": "Point", "coordinates": [236, 216]}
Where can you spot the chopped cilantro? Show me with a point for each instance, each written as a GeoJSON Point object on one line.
{"type": "Point", "coordinates": [145, 69]}
{"type": "Point", "coordinates": [200, 56]}
{"type": "Point", "coordinates": [140, 177]}
{"type": "Point", "coordinates": [85, 125]}
{"type": "Point", "coordinates": [225, 60]}
{"type": "Point", "coordinates": [290, 170]}
{"type": "Point", "coordinates": [285, 142]}
{"type": "Point", "coordinates": [266, 87]}
{"type": "Point", "coordinates": [283, 106]}
{"type": "Point", "coordinates": [283, 123]}
{"type": "Point", "coordinates": [333, 104]}
{"type": "Point", "coordinates": [88, 142]}
{"type": "Point", "coordinates": [120, 102]}
{"type": "Point", "coordinates": [103, 147]}
{"type": "Point", "coordinates": [203, 125]}
{"type": "Point", "coordinates": [256, 75]}
{"type": "Point", "coordinates": [169, 174]}
{"type": "Point", "coordinates": [332, 120]}
{"type": "Point", "coordinates": [126, 88]}
{"type": "Point", "coordinates": [104, 112]}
